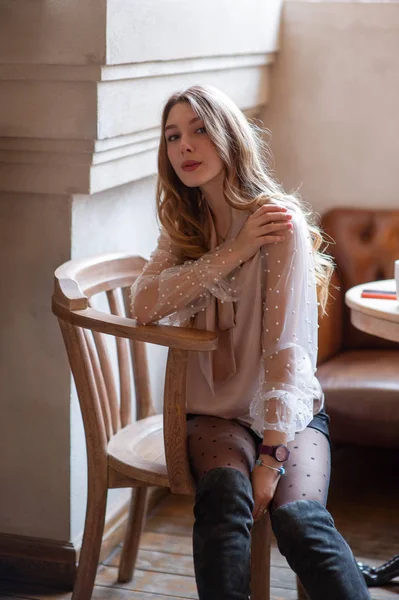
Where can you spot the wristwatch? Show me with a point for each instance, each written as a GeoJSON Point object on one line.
{"type": "Point", "coordinates": [280, 452]}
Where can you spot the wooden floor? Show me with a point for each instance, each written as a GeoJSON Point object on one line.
{"type": "Point", "coordinates": [364, 500]}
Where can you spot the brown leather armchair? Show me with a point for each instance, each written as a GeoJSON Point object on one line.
{"type": "Point", "coordinates": [358, 372]}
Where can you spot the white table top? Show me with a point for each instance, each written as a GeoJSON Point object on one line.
{"type": "Point", "coordinates": [374, 315]}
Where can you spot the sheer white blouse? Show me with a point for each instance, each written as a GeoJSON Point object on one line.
{"type": "Point", "coordinates": [265, 313]}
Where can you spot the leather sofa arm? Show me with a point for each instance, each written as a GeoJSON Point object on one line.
{"type": "Point", "coordinates": [331, 324]}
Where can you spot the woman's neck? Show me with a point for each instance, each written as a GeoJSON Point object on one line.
{"type": "Point", "coordinates": [212, 193]}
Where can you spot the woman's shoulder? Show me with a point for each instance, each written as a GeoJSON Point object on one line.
{"type": "Point", "coordinates": [293, 209]}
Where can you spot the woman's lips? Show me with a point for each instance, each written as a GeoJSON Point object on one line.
{"type": "Point", "coordinates": [191, 167]}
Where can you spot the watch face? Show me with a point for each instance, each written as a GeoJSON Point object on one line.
{"type": "Point", "coordinates": [281, 453]}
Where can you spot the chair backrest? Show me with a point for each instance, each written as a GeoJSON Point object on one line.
{"type": "Point", "coordinates": [105, 392]}
{"type": "Point", "coordinates": [365, 247]}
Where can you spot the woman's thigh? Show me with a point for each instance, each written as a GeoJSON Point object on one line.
{"type": "Point", "coordinates": [216, 442]}
{"type": "Point", "coordinates": [307, 473]}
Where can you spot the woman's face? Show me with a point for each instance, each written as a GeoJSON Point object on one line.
{"type": "Point", "coordinates": [192, 155]}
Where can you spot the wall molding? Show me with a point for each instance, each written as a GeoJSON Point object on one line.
{"type": "Point", "coordinates": [53, 563]}
{"type": "Point", "coordinates": [37, 560]}
{"type": "Point", "coordinates": [62, 166]}
{"type": "Point", "coordinates": [96, 73]}
{"type": "Point", "coordinates": [89, 128]}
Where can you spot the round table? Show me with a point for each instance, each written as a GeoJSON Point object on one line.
{"type": "Point", "coordinates": [374, 315]}
{"type": "Point", "coordinates": [380, 317]}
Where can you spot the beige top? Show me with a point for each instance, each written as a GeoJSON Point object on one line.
{"type": "Point", "coordinates": [265, 312]}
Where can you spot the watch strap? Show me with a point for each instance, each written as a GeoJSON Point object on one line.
{"type": "Point", "coordinates": [272, 451]}
{"type": "Point", "coordinates": [269, 450]}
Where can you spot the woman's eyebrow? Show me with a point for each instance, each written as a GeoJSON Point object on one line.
{"type": "Point", "coordinates": [190, 122]}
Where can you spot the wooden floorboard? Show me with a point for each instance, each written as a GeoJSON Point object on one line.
{"type": "Point", "coordinates": [363, 499]}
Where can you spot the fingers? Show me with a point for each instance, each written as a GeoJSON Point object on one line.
{"type": "Point", "coordinates": [279, 220]}
{"type": "Point", "coordinates": [259, 511]}
{"type": "Point", "coordinates": [270, 224]}
{"type": "Point", "coordinates": [272, 210]}
{"type": "Point", "coordinates": [276, 228]}
{"type": "Point", "coordinates": [270, 239]}
{"type": "Point", "coordinates": [261, 505]}
{"type": "Point", "coordinates": [273, 218]}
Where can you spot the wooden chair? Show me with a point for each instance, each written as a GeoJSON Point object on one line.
{"type": "Point", "coordinates": [120, 453]}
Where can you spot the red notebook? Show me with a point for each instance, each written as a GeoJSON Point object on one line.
{"type": "Point", "coordinates": [382, 294]}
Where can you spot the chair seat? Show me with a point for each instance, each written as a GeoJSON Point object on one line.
{"type": "Point", "coordinates": [137, 451]}
{"type": "Point", "coordinates": [362, 386]}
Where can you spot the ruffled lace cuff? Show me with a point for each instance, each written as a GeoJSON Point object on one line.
{"type": "Point", "coordinates": [285, 407]}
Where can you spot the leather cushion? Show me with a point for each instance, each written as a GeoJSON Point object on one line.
{"type": "Point", "coordinates": [366, 245]}
{"type": "Point", "coordinates": [362, 396]}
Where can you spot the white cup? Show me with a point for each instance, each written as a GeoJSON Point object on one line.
{"type": "Point", "coordinates": [397, 278]}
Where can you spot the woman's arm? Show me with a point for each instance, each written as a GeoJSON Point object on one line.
{"type": "Point", "coordinates": [284, 400]}
{"type": "Point", "coordinates": [168, 287]}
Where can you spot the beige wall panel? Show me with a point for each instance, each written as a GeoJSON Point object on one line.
{"type": "Point", "coordinates": [333, 112]}
{"type": "Point", "coordinates": [52, 110]}
{"type": "Point", "coordinates": [52, 31]}
{"type": "Point", "coordinates": [34, 375]}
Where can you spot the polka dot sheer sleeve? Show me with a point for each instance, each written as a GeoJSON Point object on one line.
{"type": "Point", "coordinates": [287, 386]}
{"type": "Point", "coordinates": [170, 291]}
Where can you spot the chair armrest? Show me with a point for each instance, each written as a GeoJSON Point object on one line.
{"type": "Point", "coordinates": [71, 304]}
{"type": "Point", "coordinates": [182, 338]}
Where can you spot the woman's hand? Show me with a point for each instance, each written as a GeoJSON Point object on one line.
{"type": "Point", "coordinates": [264, 484]}
{"type": "Point", "coordinates": [267, 225]}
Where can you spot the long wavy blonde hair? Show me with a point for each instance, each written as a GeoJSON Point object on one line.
{"type": "Point", "coordinates": [247, 183]}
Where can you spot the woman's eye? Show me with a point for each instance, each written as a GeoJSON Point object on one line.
{"type": "Point", "coordinates": [174, 136]}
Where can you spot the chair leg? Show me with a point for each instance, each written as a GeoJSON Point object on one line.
{"type": "Point", "coordinates": [137, 513]}
{"type": "Point", "coordinates": [302, 595]}
{"type": "Point", "coordinates": [91, 545]}
{"type": "Point", "coordinates": [260, 559]}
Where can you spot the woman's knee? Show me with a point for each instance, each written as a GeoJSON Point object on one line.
{"type": "Point", "coordinates": [223, 481]}
{"type": "Point", "coordinates": [224, 490]}
{"type": "Point", "coordinates": [297, 523]}
{"type": "Point", "coordinates": [307, 470]}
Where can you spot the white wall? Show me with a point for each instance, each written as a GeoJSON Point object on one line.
{"type": "Point", "coordinates": [82, 84]}
{"type": "Point", "coordinates": [185, 30]}
{"type": "Point", "coordinates": [333, 111]}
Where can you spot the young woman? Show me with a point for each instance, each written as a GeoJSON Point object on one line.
{"type": "Point", "coordinates": [239, 256]}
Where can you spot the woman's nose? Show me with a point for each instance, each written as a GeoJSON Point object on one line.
{"type": "Point", "coordinates": [185, 146]}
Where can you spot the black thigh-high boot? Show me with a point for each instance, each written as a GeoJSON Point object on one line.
{"type": "Point", "coordinates": [221, 535]}
{"type": "Point", "coordinates": [317, 552]}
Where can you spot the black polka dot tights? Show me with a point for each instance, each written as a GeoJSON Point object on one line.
{"type": "Point", "coordinates": [215, 442]}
